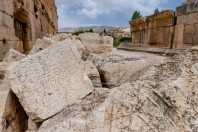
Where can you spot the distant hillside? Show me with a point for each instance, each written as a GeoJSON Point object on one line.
{"type": "Point", "coordinates": [95, 28]}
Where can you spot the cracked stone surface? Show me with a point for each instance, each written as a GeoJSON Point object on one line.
{"type": "Point", "coordinates": [161, 98]}
{"type": "Point", "coordinates": [49, 81]}
{"type": "Point", "coordinates": [92, 73]}
{"type": "Point", "coordinates": [13, 55]}
{"type": "Point", "coordinates": [116, 69]}
{"type": "Point", "coordinates": [79, 116]}
{"type": "Point", "coordinates": [94, 43]}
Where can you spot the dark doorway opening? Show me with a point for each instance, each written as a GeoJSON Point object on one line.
{"type": "Point", "coordinates": [21, 33]}
{"type": "Point", "coordinates": [22, 28]}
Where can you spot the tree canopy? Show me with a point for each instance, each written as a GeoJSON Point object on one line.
{"type": "Point", "coordinates": [156, 11]}
{"type": "Point", "coordinates": [136, 15]}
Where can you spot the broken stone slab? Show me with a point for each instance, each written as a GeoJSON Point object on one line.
{"type": "Point", "coordinates": [32, 126]}
{"type": "Point", "coordinates": [116, 69]}
{"type": "Point", "coordinates": [115, 73]}
{"type": "Point", "coordinates": [13, 55]}
{"type": "Point", "coordinates": [41, 44]}
{"type": "Point", "coordinates": [12, 116]}
{"type": "Point", "coordinates": [92, 73]}
{"type": "Point", "coordinates": [162, 99]}
{"type": "Point", "coordinates": [94, 43]}
{"type": "Point", "coordinates": [98, 59]}
{"type": "Point", "coordinates": [49, 81]}
{"type": "Point", "coordinates": [46, 42]}
{"type": "Point", "coordinates": [4, 80]}
{"type": "Point", "coordinates": [78, 117]}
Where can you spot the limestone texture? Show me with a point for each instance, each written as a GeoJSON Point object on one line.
{"type": "Point", "coordinates": [94, 43]}
{"type": "Point", "coordinates": [161, 98]}
{"type": "Point", "coordinates": [49, 81]}
{"type": "Point", "coordinates": [79, 116]}
{"type": "Point", "coordinates": [48, 40]}
{"type": "Point", "coordinates": [55, 90]}
{"type": "Point", "coordinates": [92, 73]}
{"type": "Point", "coordinates": [116, 70]}
{"type": "Point", "coordinates": [13, 55]}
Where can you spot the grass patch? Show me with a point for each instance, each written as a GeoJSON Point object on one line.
{"type": "Point", "coordinates": [116, 43]}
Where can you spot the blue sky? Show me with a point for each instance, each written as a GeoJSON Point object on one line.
{"type": "Point", "coordinates": [75, 13]}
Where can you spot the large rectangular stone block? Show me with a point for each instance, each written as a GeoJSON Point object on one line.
{"type": "Point", "coordinates": [152, 39]}
{"type": "Point", "coordinates": [189, 29]}
{"type": "Point", "coordinates": [195, 39]}
{"type": "Point", "coordinates": [139, 27]}
{"type": "Point", "coordinates": [178, 36]}
{"type": "Point", "coordinates": [50, 80]}
{"type": "Point", "coordinates": [7, 33]}
{"type": "Point", "coordinates": [6, 6]}
{"type": "Point", "coordinates": [164, 22]}
{"type": "Point", "coordinates": [181, 19]}
{"type": "Point", "coordinates": [188, 38]}
{"type": "Point", "coordinates": [137, 37]}
{"type": "Point", "coordinates": [192, 18]}
{"type": "Point", "coordinates": [7, 21]}
{"type": "Point", "coordinates": [182, 10]}
{"type": "Point", "coordinates": [195, 28]}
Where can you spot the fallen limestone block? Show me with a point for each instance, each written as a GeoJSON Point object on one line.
{"type": "Point", "coordinates": [78, 117]}
{"type": "Point", "coordinates": [46, 42]}
{"type": "Point", "coordinates": [80, 47]}
{"type": "Point", "coordinates": [12, 116]}
{"type": "Point", "coordinates": [115, 73]}
{"type": "Point", "coordinates": [92, 73]}
{"type": "Point", "coordinates": [162, 99]}
{"type": "Point", "coordinates": [13, 55]}
{"type": "Point", "coordinates": [4, 80]}
{"type": "Point", "coordinates": [64, 36]}
{"type": "Point", "coordinates": [115, 69]}
{"type": "Point", "coordinates": [94, 43]}
{"type": "Point", "coordinates": [98, 59]}
{"type": "Point", "coordinates": [49, 81]}
{"type": "Point", "coordinates": [41, 44]}
{"type": "Point", "coordinates": [32, 126]}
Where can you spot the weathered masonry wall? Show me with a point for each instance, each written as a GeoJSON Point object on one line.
{"type": "Point", "coordinates": [168, 29]}
{"type": "Point", "coordinates": [160, 29]}
{"type": "Point", "coordinates": [186, 29]}
{"type": "Point", "coordinates": [138, 32]}
{"type": "Point", "coordinates": [22, 22]}
{"type": "Point", "coordinates": [154, 31]}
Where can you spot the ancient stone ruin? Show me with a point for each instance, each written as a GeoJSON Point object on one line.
{"type": "Point", "coordinates": [69, 83]}
{"type": "Point", "coordinates": [22, 22]}
{"type": "Point", "coordinates": [154, 31]}
{"type": "Point", "coordinates": [56, 88]}
{"type": "Point", "coordinates": [168, 29]}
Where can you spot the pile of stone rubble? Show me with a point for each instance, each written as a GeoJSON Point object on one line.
{"type": "Point", "coordinates": [76, 84]}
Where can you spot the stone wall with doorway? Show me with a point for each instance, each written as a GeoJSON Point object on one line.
{"type": "Point", "coordinates": [186, 29]}
{"type": "Point", "coordinates": [153, 31]}
{"type": "Point", "coordinates": [168, 29]}
{"type": "Point", "coordinates": [138, 32]}
{"type": "Point", "coordinates": [22, 22]}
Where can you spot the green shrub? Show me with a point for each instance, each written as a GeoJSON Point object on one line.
{"type": "Point", "coordinates": [116, 43]}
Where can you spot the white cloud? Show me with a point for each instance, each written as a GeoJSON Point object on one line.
{"type": "Point", "coordinates": [92, 9]}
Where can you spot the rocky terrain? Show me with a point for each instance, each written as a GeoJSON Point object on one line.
{"type": "Point", "coordinates": [80, 84]}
